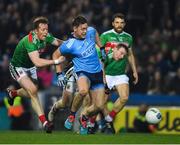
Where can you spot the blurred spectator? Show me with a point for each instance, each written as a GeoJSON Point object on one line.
{"type": "Point", "coordinates": [20, 116]}
{"type": "Point", "coordinates": [45, 76]}
{"type": "Point", "coordinates": [174, 85]}
{"type": "Point", "coordinates": [174, 62]}
{"type": "Point", "coordinates": [155, 86]}
{"type": "Point", "coordinates": [5, 77]}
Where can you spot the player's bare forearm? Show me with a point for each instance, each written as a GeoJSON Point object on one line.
{"type": "Point", "coordinates": [40, 62]}
{"type": "Point", "coordinates": [98, 41]}
{"type": "Point", "coordinates": [132, 63]}
{"type": "Point", "coordinates": [57, 42]}
{"type": "Point", "coordinates": [56, 55]}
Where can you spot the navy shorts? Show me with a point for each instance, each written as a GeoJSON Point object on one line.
{"type": "Point", "coordinates": [96, 79]}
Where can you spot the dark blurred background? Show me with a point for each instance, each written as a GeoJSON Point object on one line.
{"type": "Point", "coordinates": [154, 25]}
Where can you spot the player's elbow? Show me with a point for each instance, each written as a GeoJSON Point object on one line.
{"type": "Point", "coordinates": [56, 54]}
{"type": "Point", "coordinates": [38, 63]}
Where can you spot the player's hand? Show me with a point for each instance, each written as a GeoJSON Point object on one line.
{"type": "Point", "coordinates": [107, 90]}
{"type": "Point", "coordinates": [103, 53]}
{"type": "Point", "coordinates": [59, 60]}
{"type": "Point", "coordinates": [61, 79]}
{"type": "Point", "coordinates": [135, 75]}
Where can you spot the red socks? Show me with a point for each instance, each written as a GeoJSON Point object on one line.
{"type": "Point", "coordinates": [112, 114]}
{"type": "Point", "coordinates": [42, 118]}
{"type": "Point", "coordinates": [92, 119]}
{"type": "Point", "coordinates": [13, 93]}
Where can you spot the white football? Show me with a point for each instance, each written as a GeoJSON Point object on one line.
{"type": "Point", "coordinates": [153, 116]}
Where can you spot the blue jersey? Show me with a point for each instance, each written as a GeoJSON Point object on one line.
{"type": "Point", "coordinates": [83, 51]}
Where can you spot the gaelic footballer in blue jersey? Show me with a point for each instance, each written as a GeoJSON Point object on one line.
{"type": "Point", "coordinates": [86, 65]}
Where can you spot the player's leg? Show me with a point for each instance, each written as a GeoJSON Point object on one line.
{"type": "Point", "coordinates": [83, 87]}
{"type": "Point", "coordinates": [83, 91]}
{"type": "Point", "coordinates": [75, 102]}
{"type": "Point", "coordinates": [65, 101]}
{"type": "Point", "coordinates": [17, 73]}
{"type": "Point", "coordinates": [121, 83]}
{"type": "Point", "coordinates": [100, 121]}
{"type": "Point", "coordinates": [27, 79]}
{"type": "Point", "coordinates": [97, 94]}
{"type": "Point", "coordinates": [97, 97]}
{"type": "Point", "coordinates": [98, 101]}
{"type": "Point", "coordinates": [60, 104]}
{"type": "Point", "coordinates": [123, 92]}
{"type": "Point", "coordinates": [31, 89]}
{"type": "Point", "coordinates": [88, 114]}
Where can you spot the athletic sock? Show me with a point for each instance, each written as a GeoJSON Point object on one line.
{"type": "Point", "coordinates": [112, 114]}
{"type": "Point", "coordinates": [13, 93]}
{"type": "Point", "coordinates": [42, 118]}
{"type": "Point", "coordinates": [72, 113]}
{"type": "Point", "coordinates": [84, 118]}
{"type": "Point", "coordinates": [92, 119]}
{"type": "Point", "coordinates": [108, 118]}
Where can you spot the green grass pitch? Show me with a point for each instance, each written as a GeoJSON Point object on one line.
{"type": "Point", "coordinates": [39, 137]}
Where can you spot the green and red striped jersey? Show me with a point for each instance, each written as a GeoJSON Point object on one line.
{"type": "Point", "coordinates": [28, 44]}
{"type": "Point", "coordinates": [110, 39]}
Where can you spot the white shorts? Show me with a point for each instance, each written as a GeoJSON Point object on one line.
{"type": "Point", "coordinates": [113, 81]}
{"type": "Point", "coordinates": [18, 72]}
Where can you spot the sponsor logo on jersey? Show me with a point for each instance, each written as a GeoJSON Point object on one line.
{"type": "Point", "coordinates": [88, 51]}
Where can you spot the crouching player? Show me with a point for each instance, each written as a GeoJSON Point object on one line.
{"type": "Point", "coordinates": [69, 88]}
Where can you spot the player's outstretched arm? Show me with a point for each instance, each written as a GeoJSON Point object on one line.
{"type": "Point", "coordinates": [132, 63]}
{"type": "Point", "coordinates": [56, 55]}
{"type": "Point", "coordinates": [40, 62]}
{"type": "Point", "coordinates": [98, 41]}
{"type": "Point", "coordinates": [57, 42]}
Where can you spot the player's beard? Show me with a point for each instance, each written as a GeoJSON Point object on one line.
{"type": "Point", "coordinates": [118, 30]}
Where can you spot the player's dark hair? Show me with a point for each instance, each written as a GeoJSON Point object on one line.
{"type": "Point", "coordinates": [118, 15]}
{"type": "Point", "coordinates": [122, 45]}
{"type": "Point", "coordinates": [39, 20]}
{"type": "Point", "coordinates": [78, 21]}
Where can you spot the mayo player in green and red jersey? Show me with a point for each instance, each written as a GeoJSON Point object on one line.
{"type": "Point", "coordinates": [115, 71]}
{"type": "Point", "coordinates": [24, 62]}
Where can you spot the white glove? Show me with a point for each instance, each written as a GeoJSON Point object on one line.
{"type": "Point", "coordinates": [61, 79]}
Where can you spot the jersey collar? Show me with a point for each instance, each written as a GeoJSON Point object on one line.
{"type": "Point", "coordinates": [72, 35]}
{"type": "Point", "coordinates": [116, 32]}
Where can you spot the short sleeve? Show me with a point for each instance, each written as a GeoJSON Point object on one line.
{"type": "Point", "coordinates": [66, 47]}
{"type": "Point", "coordinates": [130, 42]}
{"type": "Point", "coordinates": [50, 38]}
{"type": "Point", "coordinates": [30, 47]}
{"type": "Point", "coordinates": [103, 39]}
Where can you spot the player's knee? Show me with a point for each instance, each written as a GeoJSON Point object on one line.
{"type": "Point", "coordinates": [83, 92]}
{"type": "Point", "coordinates": [32, 91]}
{"type": "Point", "coordinates": [100, 106]}
{"type": "Point", "coordinates": [124, 100]}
